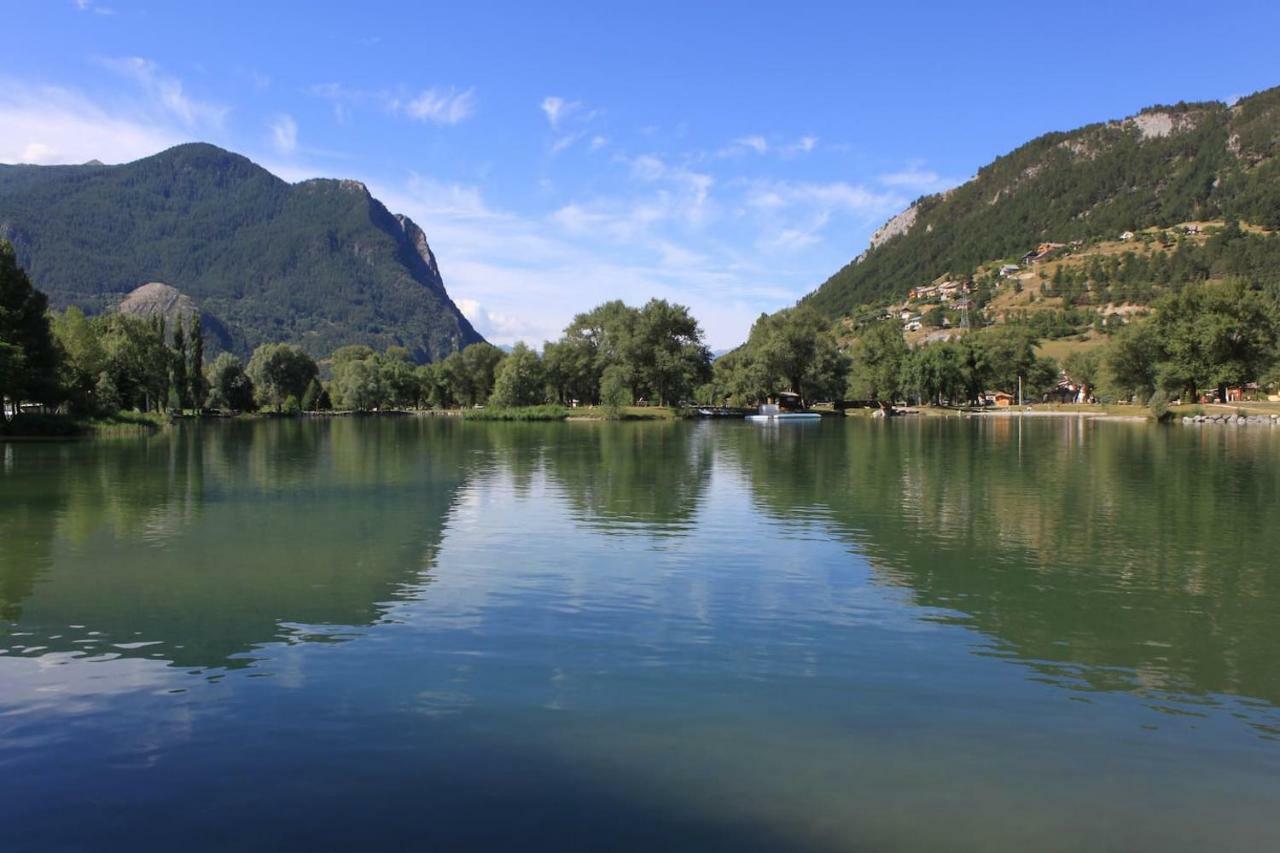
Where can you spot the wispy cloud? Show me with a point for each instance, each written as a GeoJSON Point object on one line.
{"type": "Point", "coordinates": [570, 122]}
{"type": "Point", "coordinates": [284, 133]}
{"type": "Point", "coordinates": [440, 106]}
{"type": "Point", "coordinates": [167, 92]}
{"type": "Point", "coordinates": [919, 180]}
{"type": "Point", "coordinates": [803, 145]}
{"type": "Point", "coordinates": [437, 105]}
{"type": "Point", "coordinates": [94, 7]}
{"type": "Point", "coordinates": [557, 109]}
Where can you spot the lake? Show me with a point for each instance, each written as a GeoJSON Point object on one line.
{"type": "Point", "coordinates": [424, 633]}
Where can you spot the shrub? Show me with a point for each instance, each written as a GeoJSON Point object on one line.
{"type": "Point", "coordinates": [1158, 405]}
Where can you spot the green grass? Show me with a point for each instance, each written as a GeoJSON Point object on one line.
{"type": "Point", "coordinates": [521, 413]}
{"type": "Point", "coordinates": [632, 413]}
{"type": "Point", "coordinates": [71, 426]}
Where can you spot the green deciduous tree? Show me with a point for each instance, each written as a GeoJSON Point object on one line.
{"type": "Point", "coordinates": [793, 350]}
{"type": "Point", "coordinates": [30, 371]}
{"type": "Point", "coordinates": [664, 354]}
{"type": "Point", "coordinates": [1215, 335]}
{"type": "Point", "coordinates": [229, 386]}
{"type": "Point", "coordinates": [357, 384]}
{"type": "Point", "coordinates": [178, 372]}
{"type": "Point", "coordinates": [877, 358]}
{"type": "Point", "coordinates": [83, 362]}
{"type": "Point", "coordinates": [197, 386]}
{"type": "Point", "coordinates": [280, 371]}
{"type": "Point", "coordinates": [520, 379]}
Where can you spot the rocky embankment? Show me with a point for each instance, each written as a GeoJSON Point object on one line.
{"type": "Point", "coordinates": [1232, 420]}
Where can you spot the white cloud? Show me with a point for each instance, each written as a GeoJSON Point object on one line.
{"type": "Point", "coordinates": [167, 92]}
{"type": "Point", "coordinates": [919, 180]}
{"type": "Point", "coordinates": [95, 8]}
{"type": "Point", "coordinates": [598, 142]}
{"type": "Point", "coordinates": [803, 145]}
{"type": "Point", "coordinates": [837, 195]}
{"type": "Point", "coordinates": [52, 125]}
{"type": "Point", "coordinates": [440, 106]}
{"type": "Point", "coordinates": [757, 144]}
{"type": "Point", "coordinates": [284, 133]}
{"type": "Point", "coordinates": [557, 109]}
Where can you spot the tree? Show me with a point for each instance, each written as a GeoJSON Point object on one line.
{"type": "Point", "coordinates": [1216, 335]}
{"type": "Point", "coordinates": [83, 360]}
{"type": "Point", "coordinates": [197, 386]}
{"type": "Point", "coordinates": [31, 366]}
{"type": "Point", "coordinates": [280, 371]}
{"type": "Point", "coordinates": [229, 386]}
{"type": "Point", "coordinates": [137, 360]}
{"type": "Point", "coordinates": [664, 353]}
{"type": "Point", "coordinates": [179, 370]}
{"type": "Point", "coordinates": [470, 373]}
{"type": "Point", "coordinates": [792, 350]}
{"type": "Point", "coordinates": [934, 373]}
{"type": "Point", "coordinates": [595, 340]}
{"type": "Point", "coordinates": [433, 387]}
{"type": "Point", "coordinates": [1000, 356]}
{"type": "Point", "coordinates": [316, 398]}
{"type": "Point", "coordinates": [571, 369]}
{"type": "Point", "coordinates": [520, 379]}
{"type": "Point", "coordinates": [615, 393]}
{"type": "Point", "coordinates": [397, 378]}
{"type": "Point", "coordinates": [877, 359]}
{"type": "Point", "coordinates": [1083, 367]}
{"type": "Point", "coordinates": [1130, 361]}
{"type": "Point", "coordinates": [357, 384]}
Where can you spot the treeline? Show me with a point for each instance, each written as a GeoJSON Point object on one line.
{"type": "Point", "coordinates": [796, 351]}
{"type": "Point", "coordinates": [97, 366]}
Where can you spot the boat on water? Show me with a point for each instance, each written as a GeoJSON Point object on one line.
{"type": "Point", "coordinates": [773, 413]}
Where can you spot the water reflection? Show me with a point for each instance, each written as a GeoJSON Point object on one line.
{"type": "Point", "coordinates": [199, 545]}
{"type": "Point", "coordinates": [707, 636]}
{"type": "Point", "coordinates": [1107, 556]}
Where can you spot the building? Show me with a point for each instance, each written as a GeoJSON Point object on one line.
{"type": "Point", "coordinates": [1041, 253]}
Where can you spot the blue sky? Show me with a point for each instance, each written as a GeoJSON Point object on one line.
{"type": "Point", "coordinates": [729, 156]}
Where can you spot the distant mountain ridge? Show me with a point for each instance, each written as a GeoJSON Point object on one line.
{"type": "Point", "coordinates": [321, 263]}
{"type": "Point", "coordinates": [1165, 165]}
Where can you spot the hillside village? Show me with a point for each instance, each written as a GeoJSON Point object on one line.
{"type": "Point", "coordinates": [1057, 288]}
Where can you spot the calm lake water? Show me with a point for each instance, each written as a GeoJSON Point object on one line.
{"type": "Point", "coordinates": [419, 633]}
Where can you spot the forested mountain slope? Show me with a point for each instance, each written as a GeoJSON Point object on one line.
{"type": "Point", "coordinates": [319, 263]}
{"type": "Point", "coordinates": [1166, 165]}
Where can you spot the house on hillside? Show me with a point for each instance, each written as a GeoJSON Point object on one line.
{"type": "Point", "coordinates": [1008, 270]}
{"type": "Point", "coordinates": [1127, 236]}
{"type": "Point", "coordinates": [1042, 253]}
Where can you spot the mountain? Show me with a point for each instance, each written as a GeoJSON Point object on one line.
{"type": "Point", "coordinates": [156, 298]}
{"type": "Point", "coordinates": [1165, 165]}
{"type": "Point", "coordinates": [321, 263]}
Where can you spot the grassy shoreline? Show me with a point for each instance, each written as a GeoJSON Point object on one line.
{"type": "Point", "coordinates": [37, 427]}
